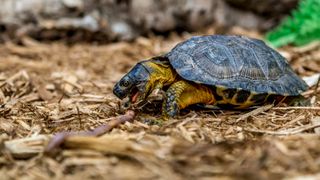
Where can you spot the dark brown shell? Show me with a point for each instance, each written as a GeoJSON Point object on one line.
{"type": "Point", "coordinates": [235, 62]}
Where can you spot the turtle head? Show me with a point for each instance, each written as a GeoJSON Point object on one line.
{"type": "Point", "coordinates": [134, 84]}
{"type": "Point", "coordinates": [143, 78]}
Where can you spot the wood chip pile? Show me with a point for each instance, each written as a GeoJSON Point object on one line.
{"type": "Point", "coordinates": [50, 88]}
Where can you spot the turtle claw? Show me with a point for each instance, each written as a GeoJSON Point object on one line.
{"type": "Point", "coordinates": [153, 121]}
{"type": "Point", "coordinates": [299, 101]}
{"type": "Point", "coordinates": [304, 102]}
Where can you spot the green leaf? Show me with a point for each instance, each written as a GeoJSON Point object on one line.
{"type": "Point", "coordinates": [301, 28]}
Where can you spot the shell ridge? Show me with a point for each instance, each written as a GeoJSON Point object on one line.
{"type": "Point", "coordinates": [230, 57]}
{"type": "Point", "coordinates": [275, 57]}
{"type": "Point", "coordinates": [259, 63]}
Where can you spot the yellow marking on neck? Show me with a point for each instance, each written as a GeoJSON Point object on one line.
{"type": "Point", "coordinates": [162, 74]}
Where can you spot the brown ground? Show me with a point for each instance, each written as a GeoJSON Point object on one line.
{"type": "Point", "coordinates": [48, 88]}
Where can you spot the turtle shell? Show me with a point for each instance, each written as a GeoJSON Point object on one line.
{"type": "Point", "coordinates": [235, 62]}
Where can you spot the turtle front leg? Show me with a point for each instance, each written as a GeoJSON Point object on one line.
{"type": "Point", "coordinates": [182, 94]}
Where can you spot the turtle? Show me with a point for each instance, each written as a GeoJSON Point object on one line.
{"type": "Point", "coordinates": [227, 71]}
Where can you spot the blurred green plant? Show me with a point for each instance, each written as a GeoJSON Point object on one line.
{"type": "Point", "coordinates": [299, 29]}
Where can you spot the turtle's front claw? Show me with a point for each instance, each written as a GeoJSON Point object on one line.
{"type": "Point", "coordinates": [153, 121]}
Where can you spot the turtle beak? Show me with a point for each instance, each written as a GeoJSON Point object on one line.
{"type": "Point", "coordinates": [120, 93]}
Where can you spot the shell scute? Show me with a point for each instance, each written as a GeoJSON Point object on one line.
{"type": "Point", "coordinates": [235, 62]}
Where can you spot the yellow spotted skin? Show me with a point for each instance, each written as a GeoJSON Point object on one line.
{"type": "Point", "coordinates": [182, 94]}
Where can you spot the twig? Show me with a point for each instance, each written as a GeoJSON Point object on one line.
{"type": "Point", "coordinates": [296, 108]}
{"type": "Point", "coordinates": [301, 117]}
{"type": "Point", "coordinates": [26, 147]}
{"type": "Point", "coordinates": [308, 93]}
{"type": "Point", "coordinates": [59, 138]}
{"type": "Point", "coordinates": [254, 112]}
{"type": "Point", "coordinates": [79, 116]}
{"type": "Point", "coordinates": [306, 48]}
{"type": "Point", "coordinates": [19, 74]}
{"type": "Point", "coordinates": [155, 95]}
{"type": "Point", "coordinates": [286, 132]}
{"type": "Point", "coordinates": [316, 121]}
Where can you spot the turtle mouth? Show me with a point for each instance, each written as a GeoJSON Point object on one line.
{"type": "Point", "coordinates": [134, 95]}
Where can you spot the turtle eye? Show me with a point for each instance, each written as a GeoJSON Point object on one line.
{"type": "Point", "coordinates": [124, 83]}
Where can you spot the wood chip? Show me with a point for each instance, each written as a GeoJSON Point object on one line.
{"type": "Point", "coordinates": [316, 121]}
{"type": "Point", "coordinates": [254, 112]}
{"type": "Point", "coordinates": [26, 147]}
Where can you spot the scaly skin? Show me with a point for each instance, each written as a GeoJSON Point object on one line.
{"type": "Point", "coordinates": [182, 94]}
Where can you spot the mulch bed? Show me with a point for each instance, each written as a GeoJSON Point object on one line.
{"type": "Point", "coordinates": [51, 88]}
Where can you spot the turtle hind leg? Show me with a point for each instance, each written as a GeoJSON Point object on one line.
{"type": "Point", "coordinates": [182, 94]}
{"type": "Point", "coordinates": [297, 101]}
